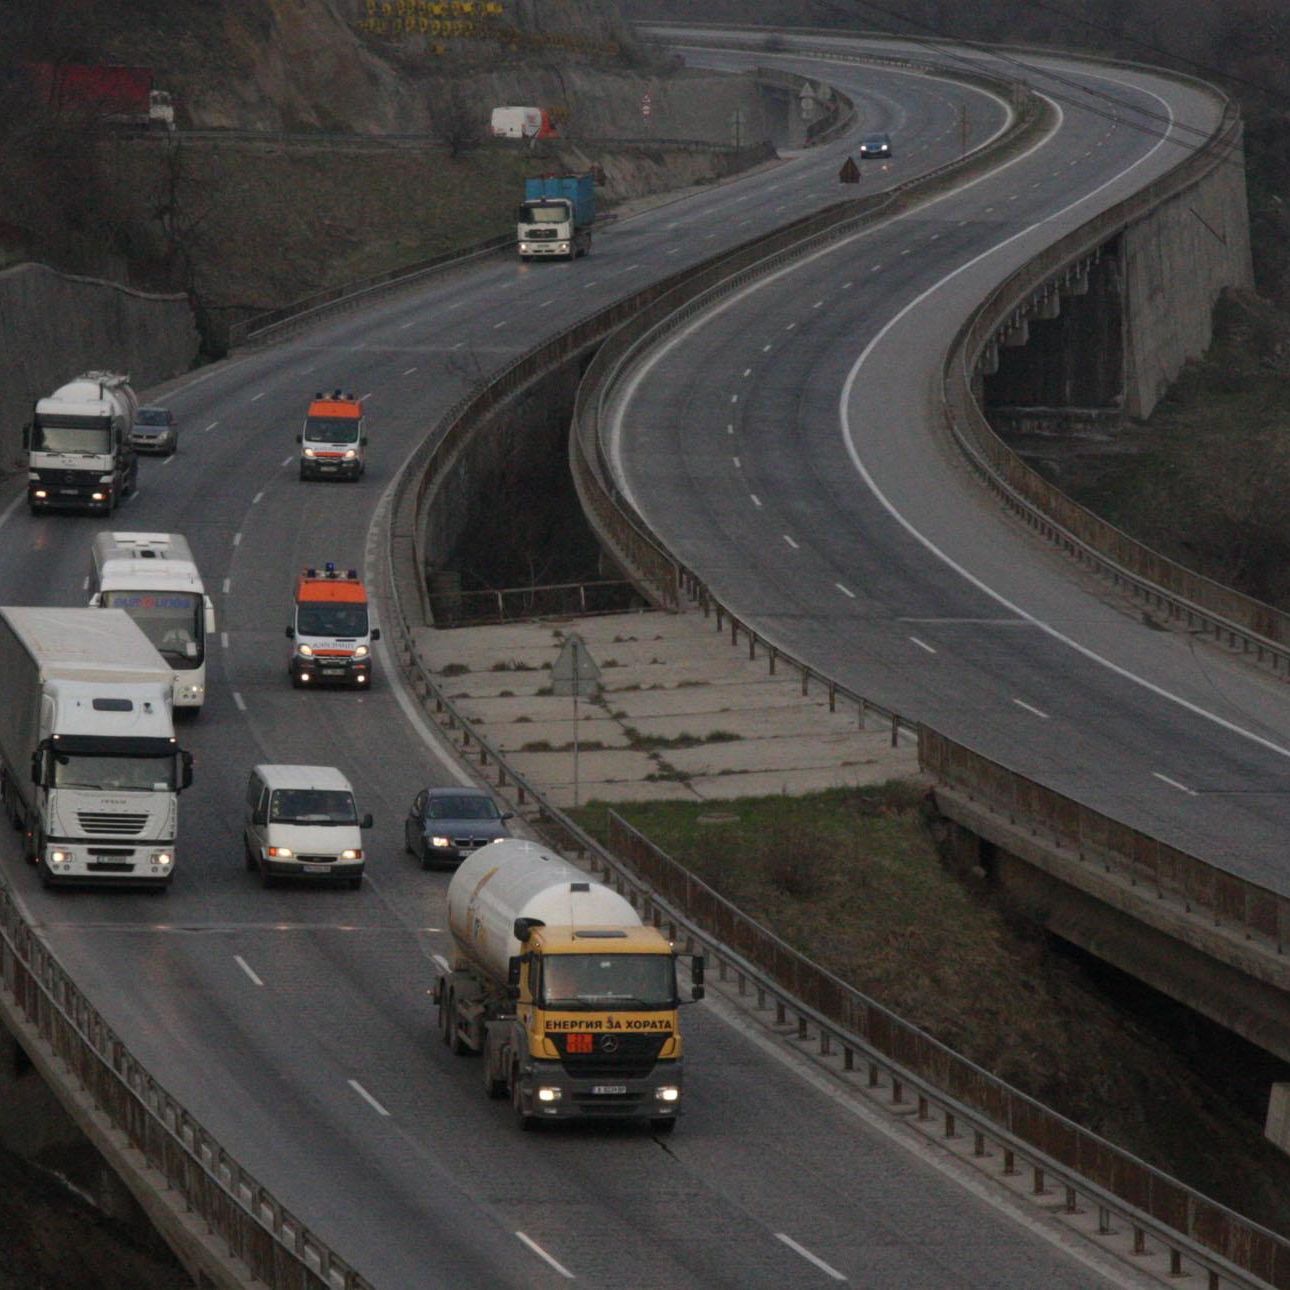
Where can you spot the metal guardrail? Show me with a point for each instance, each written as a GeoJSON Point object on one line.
{"type": "Point", "coordinates": [277, 1247]}
{"type": "Point", "coordinates": [1003, 1122]}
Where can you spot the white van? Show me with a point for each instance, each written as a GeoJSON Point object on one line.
{"type": "Point", "coordinates": [301, 822]}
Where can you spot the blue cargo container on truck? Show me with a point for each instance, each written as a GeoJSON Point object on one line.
{"type": "Point", "coordinates": [554, 221]}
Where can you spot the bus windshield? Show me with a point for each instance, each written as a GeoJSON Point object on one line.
{"type": "Point", "coordinates": [171, 620]}
{"type": "Point", "coordinates": [590, 981]}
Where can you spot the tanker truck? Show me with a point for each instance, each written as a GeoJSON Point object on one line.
{"type": "Point", "coordinates": [78, 445]}
{"type": "Point", "coordinates": [569, 997]}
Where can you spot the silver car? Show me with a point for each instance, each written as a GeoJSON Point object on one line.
{"type": "Point", "coordinates": [155, 430]}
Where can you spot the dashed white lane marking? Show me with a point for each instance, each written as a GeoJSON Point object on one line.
{"type": "Point", "coordinates": [246, 967]}
{"type": "Point", "coordinates": [458, 345]}
{"type": "Point", "coordinates": [169, 459]}
{"type": "Point", "coordinates": [255, 398]}
{"type": "Point", "coordinates": [747, 372]}
{"type": "Point", "coordinates": [736, 461]}
{"type": "Point", "coordinates": [546, 303]}
{"type": "Point", "coordinates": [734, 398]}
{"type": "Point", "coordinates": [672, 250]}
{"type": "Point", "coordinates": [756, 501]}
{"type": "Point", "coordinates": [255, 501]}
{"type": "Point", "coordinates": [85, 583]}
{"type": "Point", "coordinates": [368, 1098]}
{"type": "Point", "coordinates": [1173, 783]}
{"type": "Point", "coordinates": [240, 701]}
{"type": "Point", "coordinates": [409, 371]}
{"type": "Point", "coordinates": [237, 539]}
{"type": "Point", "coordinates": [730, 428]}
{"type": "Point", "coordinates": [790, 326]}
{"type": "Point", "coordinates": [228, 582]}
{"type": "Point", "coordinates": [286, 461]}
{"type": "Point", "coordinates": [846, 286]}
{"type": "Point", "coordinates": [371, 394]}
{"type": "Point", "coordinates": [765, 349]}
{"type": "Point", "coordinates": [1021, 703]}
{"type": "Point", "coordinates": [406, 325]}
{"type": "Point", "coordinates": [223, 639]}
{"type": "Point", "coordinates": [498, 325]}
{"type": "Point", "coordinates": [212, 426]}
{"type": "Point", "coordinates": [455, 304]}
{"type": "Point", "coordinates": [588, 285]}
{"type": "Point", "coordinates": [791, 543]}
{"type": "Point", "coordinates": [809, 1257]}
{"type": "Point", "coordinates": [931, 649]}
{"type": "Point", "coordinates": [441, 962]}
{"type": "Point", "coordinates": [845, 590]}
{"type": "Point", "coordinates": [542, 1254]}
{"type": "Point", "coordinates": [819, 304]}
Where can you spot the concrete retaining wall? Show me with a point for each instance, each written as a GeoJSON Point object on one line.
{"type": "Point", "coordinates": [55, 325]}
{"type": "Point", "coordinates": [1176, 263]}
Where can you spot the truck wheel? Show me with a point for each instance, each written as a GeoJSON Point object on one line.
{"type": "Point", "coordinates": [523, 1119]}
{"type": "Point", "coordinates": [456, 1045]}
{"type": "Point", "coordinates": [494, 1087]}
{"type": "Point", "coordinates": [252, 864]}
{"type": "Point", "coordinates": [443, 1013]}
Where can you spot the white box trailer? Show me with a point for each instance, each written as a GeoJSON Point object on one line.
{"type": "Point", "coordinates": [90, 770]}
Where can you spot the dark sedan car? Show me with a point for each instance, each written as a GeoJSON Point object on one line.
{"type": "Point", "coordinates": [875, 145]}
{"type": "Point", "coordinates": [445, 825]}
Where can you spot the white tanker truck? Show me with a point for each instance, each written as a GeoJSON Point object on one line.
{"type": "Point", "coordinates": [569, 997]}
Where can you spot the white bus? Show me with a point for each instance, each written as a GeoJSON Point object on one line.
{"type": "Point", "coordinates": [153, 578]}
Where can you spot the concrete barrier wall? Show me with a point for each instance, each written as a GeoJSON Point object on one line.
{"type": "Point", "coordinates": [1176, 263]}
{"type": "Point", "coordinates": [55, 325]}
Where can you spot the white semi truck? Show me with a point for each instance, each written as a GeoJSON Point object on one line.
{"type": "Point", "coordinates": [569, 997]}
{"type": "Point", "coordinates": [153, 577]}
{"type": "Point", "coordinates": [78, 445]}
{"type": "Point", "coordinates": [90, 771]}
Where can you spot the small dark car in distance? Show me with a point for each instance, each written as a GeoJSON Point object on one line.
{"type": "Point", "coordinates": [875, 145]}
{"type": "Point", "coordinates": [154, 430]}
{"type": "Point", "coordinates": [445, 825]}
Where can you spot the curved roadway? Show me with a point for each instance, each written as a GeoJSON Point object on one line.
{"type": "Point", "coordinates": [788, 448]}
{"type": "Point", "coordinates": [295, 1024]}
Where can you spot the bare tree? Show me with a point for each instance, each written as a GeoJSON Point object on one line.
{"type": "Point", "coordinates": [457, 121]}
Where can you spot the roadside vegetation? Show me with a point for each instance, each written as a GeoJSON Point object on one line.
{"type": "Point", "coordinates": [855, 879]}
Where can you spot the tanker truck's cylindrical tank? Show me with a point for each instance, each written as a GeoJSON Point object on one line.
{"type": "Point", "coordinates": [512, 879]}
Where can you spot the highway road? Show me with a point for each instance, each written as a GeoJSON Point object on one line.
{"type": "Point", "coordinates": [295, 1024]}
{"type": "Point", "coordinates": [788, 448]}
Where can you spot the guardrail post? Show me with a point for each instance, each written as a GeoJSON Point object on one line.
{"type": "Point", "coordinates": [772, 655]}
{"type": "Point", "coordinates": [873, 1074]}
{"type": "Point", "coordinates": [833, 696]}
{"type": "Point", "coordinates": [1009, 1161]}
{"type": "Point", "coordinates": [895, 728]}
{"type": "Point", "coordinates": [1139, 1240]}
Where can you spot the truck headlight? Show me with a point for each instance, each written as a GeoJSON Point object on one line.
{"type": "Point", "coordinates": [360, 651]}
{"type": "Point", "coordinates": [305, 651]}
{"type": "Point", "coordinates": [309, 452]}
{"type": "Point", "coordinates": [668, 1093]}
{"type": "Point", "coordinates": [58, 857]}
{"type": "Point", "coordinates": [98, 497]}
{"type": "Point", "coordinates": [162, 858]}
{"type": "Point", "coordinates": [546, 1093]}
{"type": "Point", "coordinates": [350, 454]}
{"type": "Point", "coordinates": [563, 246]}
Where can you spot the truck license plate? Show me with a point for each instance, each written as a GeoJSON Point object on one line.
{"type": "Point", "coordinates": [315, 868]}
{"type": "Point", "coordinates": [609, 1089]}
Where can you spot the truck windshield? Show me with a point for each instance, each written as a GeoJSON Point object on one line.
{"type": "Point", "coordinates": [88, 436]}
{"type": "Point", "coordinates": [331, 429]}
{"type": "Point", "coordinates": [590, 981]}
{"type": "Point", "coordinates": [543, 213]}
{"type": "Point", "coordinates": [312, 806]}
{"type": "Point", "coordinates": [172, 621]}
{"type": "Point", "coordinates": [331, 620]}
{"type": "Point", "coordinates": [121, 774]}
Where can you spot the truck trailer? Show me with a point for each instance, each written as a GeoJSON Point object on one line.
{"type": "Point", "coordinates": [571, 1000]}
{"type": "Point", "coordinates": [555, 218]}
{"type": "Point", "coordinates": [78, 445]}
{"type": "Point", "coordinates": [90, 771]}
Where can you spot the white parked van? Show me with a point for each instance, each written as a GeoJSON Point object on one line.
{"type": "Point", "coordinates": [301, 822]}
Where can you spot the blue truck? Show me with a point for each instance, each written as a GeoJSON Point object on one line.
{"type": "Point", "coordinates": [555, 218]}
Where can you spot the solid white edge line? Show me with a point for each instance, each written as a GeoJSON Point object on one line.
{"type": "Point", "coordinates": [368, 1098]}
{"type": "Point", "coordinates": [237, 539]}
{"type": "Point", "coordinates": [228, 582]}
{"type": "Point", "coordinates": [790, 542]}
{"type": "Point", "coordinates": [809, 1257]}
{"type": "Point", "coordinates": [239, 700]}
{"type": "Point", "coordinates": [246, 967]}
{"type": "Point", "coordinates": [256, 499]}
{"type": "Point", "coordinates": [1173, 783]}
{"type": "Point", "coordinates": [440, 962]}
{"type": "Point", "coordinates": [931, 649]}
{"type": "Point", "coordinates": [223, 640]}
{"type": "Point", "coordinates": [846, 591]}
{"type": "Point", "coordinates": [542, 1254]}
